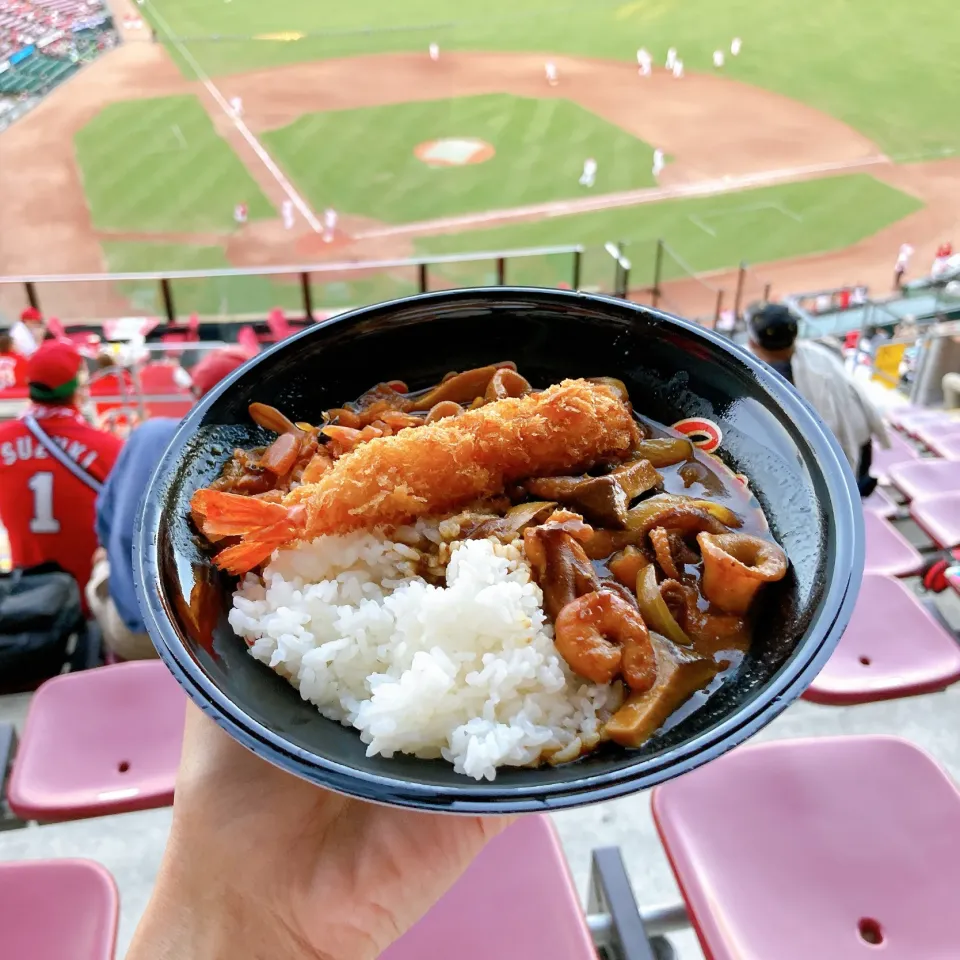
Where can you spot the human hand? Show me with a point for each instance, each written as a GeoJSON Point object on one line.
{"type": "Point", "coordinates": [263, 865]}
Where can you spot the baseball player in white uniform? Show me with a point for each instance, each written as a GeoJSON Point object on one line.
{"type": "Point", "coordinates": [678, 69]}
{"type": "Point", "coordinates": [434, 52]}
{"type": "Point", "coordinates": [718, 58]}
{"type": "Point", "coordinates": [589, 175]}
{"type": "Point", "coordinates": [329, 224]}
{"type": "Point", "coordinates": [286, 211]}
{"type": "Point", "coordinates": [550, 69]}
{"type": "Point", "coordinates": [671, 58]}
{"type": "Point", "coordinates": [735, 44]}
{"type": "Point", "coordinates": [236, 105]}
{"type": "Point", "coordinates": [657, 163]}
{"type": "Point", "coordinates": [903, 261]}
{"type": "Point", "coordinates": [644, 62]}
{"type": "Point", "coordinates": [240, 214]}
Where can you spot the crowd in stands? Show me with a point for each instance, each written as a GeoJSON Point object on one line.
{"type": "Point", "coordinates": [47, 24]}
{"type": "Point", "coordinates": [69, 490]}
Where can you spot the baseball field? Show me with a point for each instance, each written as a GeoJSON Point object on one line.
{"type": "Point", "coordinates": [812, 154]}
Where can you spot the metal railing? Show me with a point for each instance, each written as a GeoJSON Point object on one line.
{"type": "Point", "coordinates": [306, 273]}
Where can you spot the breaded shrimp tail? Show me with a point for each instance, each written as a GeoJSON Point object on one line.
{"type": "Point", "coordinates": [442, 466]}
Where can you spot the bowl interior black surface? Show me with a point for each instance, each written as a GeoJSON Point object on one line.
{"type": "Point", "coordinates": [671, 373]}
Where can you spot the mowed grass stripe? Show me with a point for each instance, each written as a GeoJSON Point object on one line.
{"type": "Point", "coordinates": [139, 176]}
{"type": "Point", "coordinates": [834, 213]}
{"type": "Point", "coordinates": [363, 162]}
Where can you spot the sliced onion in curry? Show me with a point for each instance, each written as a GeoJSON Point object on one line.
{"type": "Point", "coordinates": [654, 608]}
{"type": "Point", "coordinates": [461, 387]}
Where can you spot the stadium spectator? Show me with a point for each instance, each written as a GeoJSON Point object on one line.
{"type": "Point", "coordinates": [13, 365]}
{"type": "Point", "coordinates": [110, 591]}
{"type": "Point", "coordinates": [52, 462]}
{"type": "Point", "coordinates": [28, 332]}
{"type": "Point", "coordinates": [818, 376]}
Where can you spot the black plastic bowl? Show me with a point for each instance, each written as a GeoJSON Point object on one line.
{"type": "Point", "coordinates": [673, 370]}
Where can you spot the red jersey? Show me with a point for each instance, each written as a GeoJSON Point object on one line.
{"type": "Point", "coordinates": [13, 370]}
{"type": "Point", "coordinates": [48, 513]}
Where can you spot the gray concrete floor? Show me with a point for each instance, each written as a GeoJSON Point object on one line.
{"type": "Point", "coordinates": [130, 845]}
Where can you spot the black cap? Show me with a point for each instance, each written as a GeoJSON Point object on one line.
{"type": "Point", "coordinates": [772, 326]}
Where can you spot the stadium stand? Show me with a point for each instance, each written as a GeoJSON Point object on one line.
{"type": "Point", "coordinates": [42, 42]}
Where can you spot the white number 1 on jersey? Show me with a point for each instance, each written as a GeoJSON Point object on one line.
{"type": "Point", "coordinates": [43, 520]}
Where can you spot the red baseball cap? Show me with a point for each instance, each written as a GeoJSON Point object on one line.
{"type": "Point", "coordinates": [215, 366]}
{"type": "Point", "coordinates": [53, 370]}
{"type": "Point", "coordinates": [31, 315]}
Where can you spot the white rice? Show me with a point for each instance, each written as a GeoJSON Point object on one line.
{"type": "Point", "coordinates": [467, 672]}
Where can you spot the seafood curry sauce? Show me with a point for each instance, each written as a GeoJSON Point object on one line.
{"type": "Point", "coordinates": [649, 553]}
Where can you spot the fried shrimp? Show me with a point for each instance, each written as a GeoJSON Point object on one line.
{"type": "Point", "coordinates": [431, 469]}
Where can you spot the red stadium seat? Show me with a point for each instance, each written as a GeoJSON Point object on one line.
{"type": "Point", "coordinates": [892, 647]}
{"type": "Point", "coordinates": [57, 910]}
{"type": "Point", "coordinates": [846, 848]}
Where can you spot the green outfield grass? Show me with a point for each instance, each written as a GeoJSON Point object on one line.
{"type": "Point", "coordinates": [363, 162]}
{"type": "Point", "coordinates": [154, 165]}
{"type": "Point", "coordinates": [710, 233]}
{"type": "Point", "coordinates": [889, 69]}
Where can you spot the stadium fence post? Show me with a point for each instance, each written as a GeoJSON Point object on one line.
{"type": "Point", "coordinates": [32, 295]}
{"type": "Point", "coordinates": [577, 266]}
{"type": "Point", "coordinates": [718, 308]}
{"type": "Point", "coordinates": [738, 296]}
{"type": "Point", "coordinates": [767, 288]}
{"type": "Point", "coordinates": [423, 277]}
{"type": "Point", "coordinates": [307, 296]}
{"type": "Point", "coordinates": [501, 271]}
{"type": "Point", "coordinates": [657, 270]}
{"type": "Point", "coordinates": [167, 295]}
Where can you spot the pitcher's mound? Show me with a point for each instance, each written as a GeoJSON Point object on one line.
{"type": "Point", "coordinates": [453, 151]}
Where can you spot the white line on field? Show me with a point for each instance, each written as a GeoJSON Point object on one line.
{"type": "Point", "coordinates": [787, 212]}
{"type": "Point", "coordinates": [243, 129]}
{"type": "Point", "coordinates": [697, 222]}
{"type": "Point", "coordinates": [178, 133]}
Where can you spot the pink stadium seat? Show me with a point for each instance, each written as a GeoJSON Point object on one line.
{"type": "Point", "coordinates": [516, 901]}
{"type": "Point", "coordinates": [910, 423]}
{"type": "Point", "coordinates": [887, 551]}
{"type": "Point", "coordinates": [926, 478]}
{"type": "Point", "coordinates": [939, 518]}
{"type": "Point", "coordinates": [247, 338]}
{"type": "Point", "coordinates": [899, 451]}
{"type": "Point", "coordinates": [280, 327]}
{"type": "Point", "coordinates": [946, 445]}
{"type": "Point", "coordinates": [845, 848]}
{"type": "Point", "coordinates": [97, 742]}
{"type": "Point", "coordinates": [930, 432]}
{"type": "Point", "coordinates": [892, 647]}
{"type": "Point", "coordinates": [880, 503]}
{"type": "Point", "coordinates": [57, 910]}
